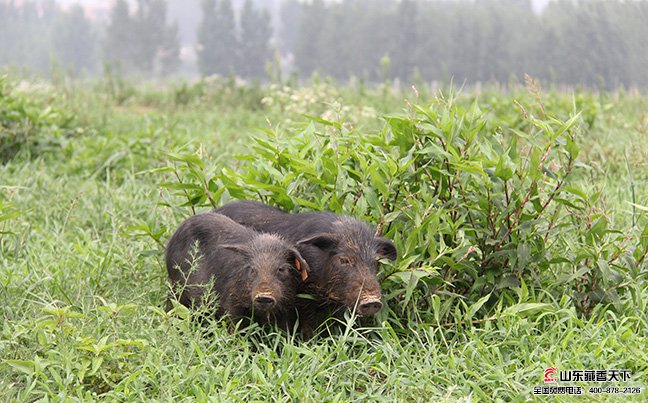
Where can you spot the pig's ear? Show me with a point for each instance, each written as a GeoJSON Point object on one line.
{"type": "Point", "coordinates": [237, 247]}
{"type": "Point", "coordinates": [385, 248]}
{"type": "Point", "coordinates": [322, 241]}
{"type": "Point", "coordinates": [300, 264]}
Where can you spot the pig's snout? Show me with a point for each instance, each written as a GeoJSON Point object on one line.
{"type": "Point", "coordinates": [369, 306]}
{"type": "Point", "coordinates": [264, 301]}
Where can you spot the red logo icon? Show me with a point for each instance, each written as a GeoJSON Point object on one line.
{"type": "Point", "coordinates": [547, 375]}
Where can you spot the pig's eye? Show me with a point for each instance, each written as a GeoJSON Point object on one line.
{"type": "Point", "coordinates": [284, 268]}
{"type": "Point", "coordinates": [346, 261]}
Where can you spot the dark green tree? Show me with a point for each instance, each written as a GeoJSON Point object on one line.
{"type": "Point", "coordinates": [207, 39]}
{"type": "Point", "coordinates": [217, 40]}
{"type": "Point", "coordinates": [74, 41]}
{"type": "Point", "coordinates": [149, 29]}
{"type": "Point", "coordinates": [254, 44]}
{"type": "Point", "coordinates": [32, 37]}
{"type": "Point", "coordinates": [153, 34]}
{"type": "Point", "coordinates": [435, 44]}
{"type": "Point", "coordinates": [340, 39]}
{"type": "Point", "coordinates": [630, 19]}
{"type": "Point", "coordinates": [405, 40]}
{"type": "Point", "coordinates": [169, 55]}
{"type": "Point", "coordinates": [368, 31]}
{"type": "Point", "coordinates": [120, 37]}
{"type": "Point", "coordinates": [8, 16]}
{"type": "Point", "coordinates": [608, 49]}
{"type": "Point", "coordinates": [142, 41]}
{"type": "Point", "coordinates": [290, 12]}
{"type": "Point", "coordinates": [228, 43]}
{"type": "Point", "coordinates": [308, 45]}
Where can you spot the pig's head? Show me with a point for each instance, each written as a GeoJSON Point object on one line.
{"type": "Point", "coordinates": [274, 270]}
{"type": "Point", "coordinates": [348, 263]}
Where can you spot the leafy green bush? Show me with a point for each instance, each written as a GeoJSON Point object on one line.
{"type": "Point", "coordinates": [27, 126]}
{"type": "Point", "coordinates": [475, 214]}
{"type": "Point", "coordinates": [9, 212]}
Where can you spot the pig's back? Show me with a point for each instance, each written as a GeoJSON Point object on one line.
{"type": "Point", "coordinates": [264, 218]}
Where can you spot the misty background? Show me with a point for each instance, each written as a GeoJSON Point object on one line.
{"type": "Point", "coordinates": [596, 43]}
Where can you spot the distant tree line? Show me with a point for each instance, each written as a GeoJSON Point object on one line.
{"type": "Point", "coordinates": [595, 42]}
{"type": "Point", "coordinates": [230, 47]}
{"type": "Point", "coordinates": [33, 34]}
{"type": "Point", "coordinates": [142, 41]}
{"type": "Point", "coordinates": [39, 35]}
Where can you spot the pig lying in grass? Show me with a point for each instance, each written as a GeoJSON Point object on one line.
{"type": "Point", "coordinates": [253, 275]}
{"type": "Point", "coordinates": [342, 254]}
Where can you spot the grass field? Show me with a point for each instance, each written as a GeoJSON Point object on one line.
{"type": "Point", "coordinates": [95, 176]}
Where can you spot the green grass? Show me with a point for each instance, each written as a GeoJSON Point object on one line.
{"type": "Point", "coordinates": [83, 286]}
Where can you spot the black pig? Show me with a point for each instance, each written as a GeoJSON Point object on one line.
{"type": "Point", "coordinates": [341, 252]}
{"type": "Point", "coordinates": [254, 275]}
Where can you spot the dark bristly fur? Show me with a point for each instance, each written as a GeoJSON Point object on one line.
{"type": "Point", "coordinates": [253, 274]}
{"type": "Point", "coordinates": [342, 254]}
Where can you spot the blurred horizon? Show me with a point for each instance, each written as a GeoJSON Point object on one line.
{"type": "Point", "coordinates": [597, 43]}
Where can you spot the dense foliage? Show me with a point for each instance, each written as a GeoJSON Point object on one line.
{"type": "Point", "coordinates": [26, 126]}
{"type": "Point", "coordinates": [476, 207]}
{"type": "Point", "coordinates": [519, 217]}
